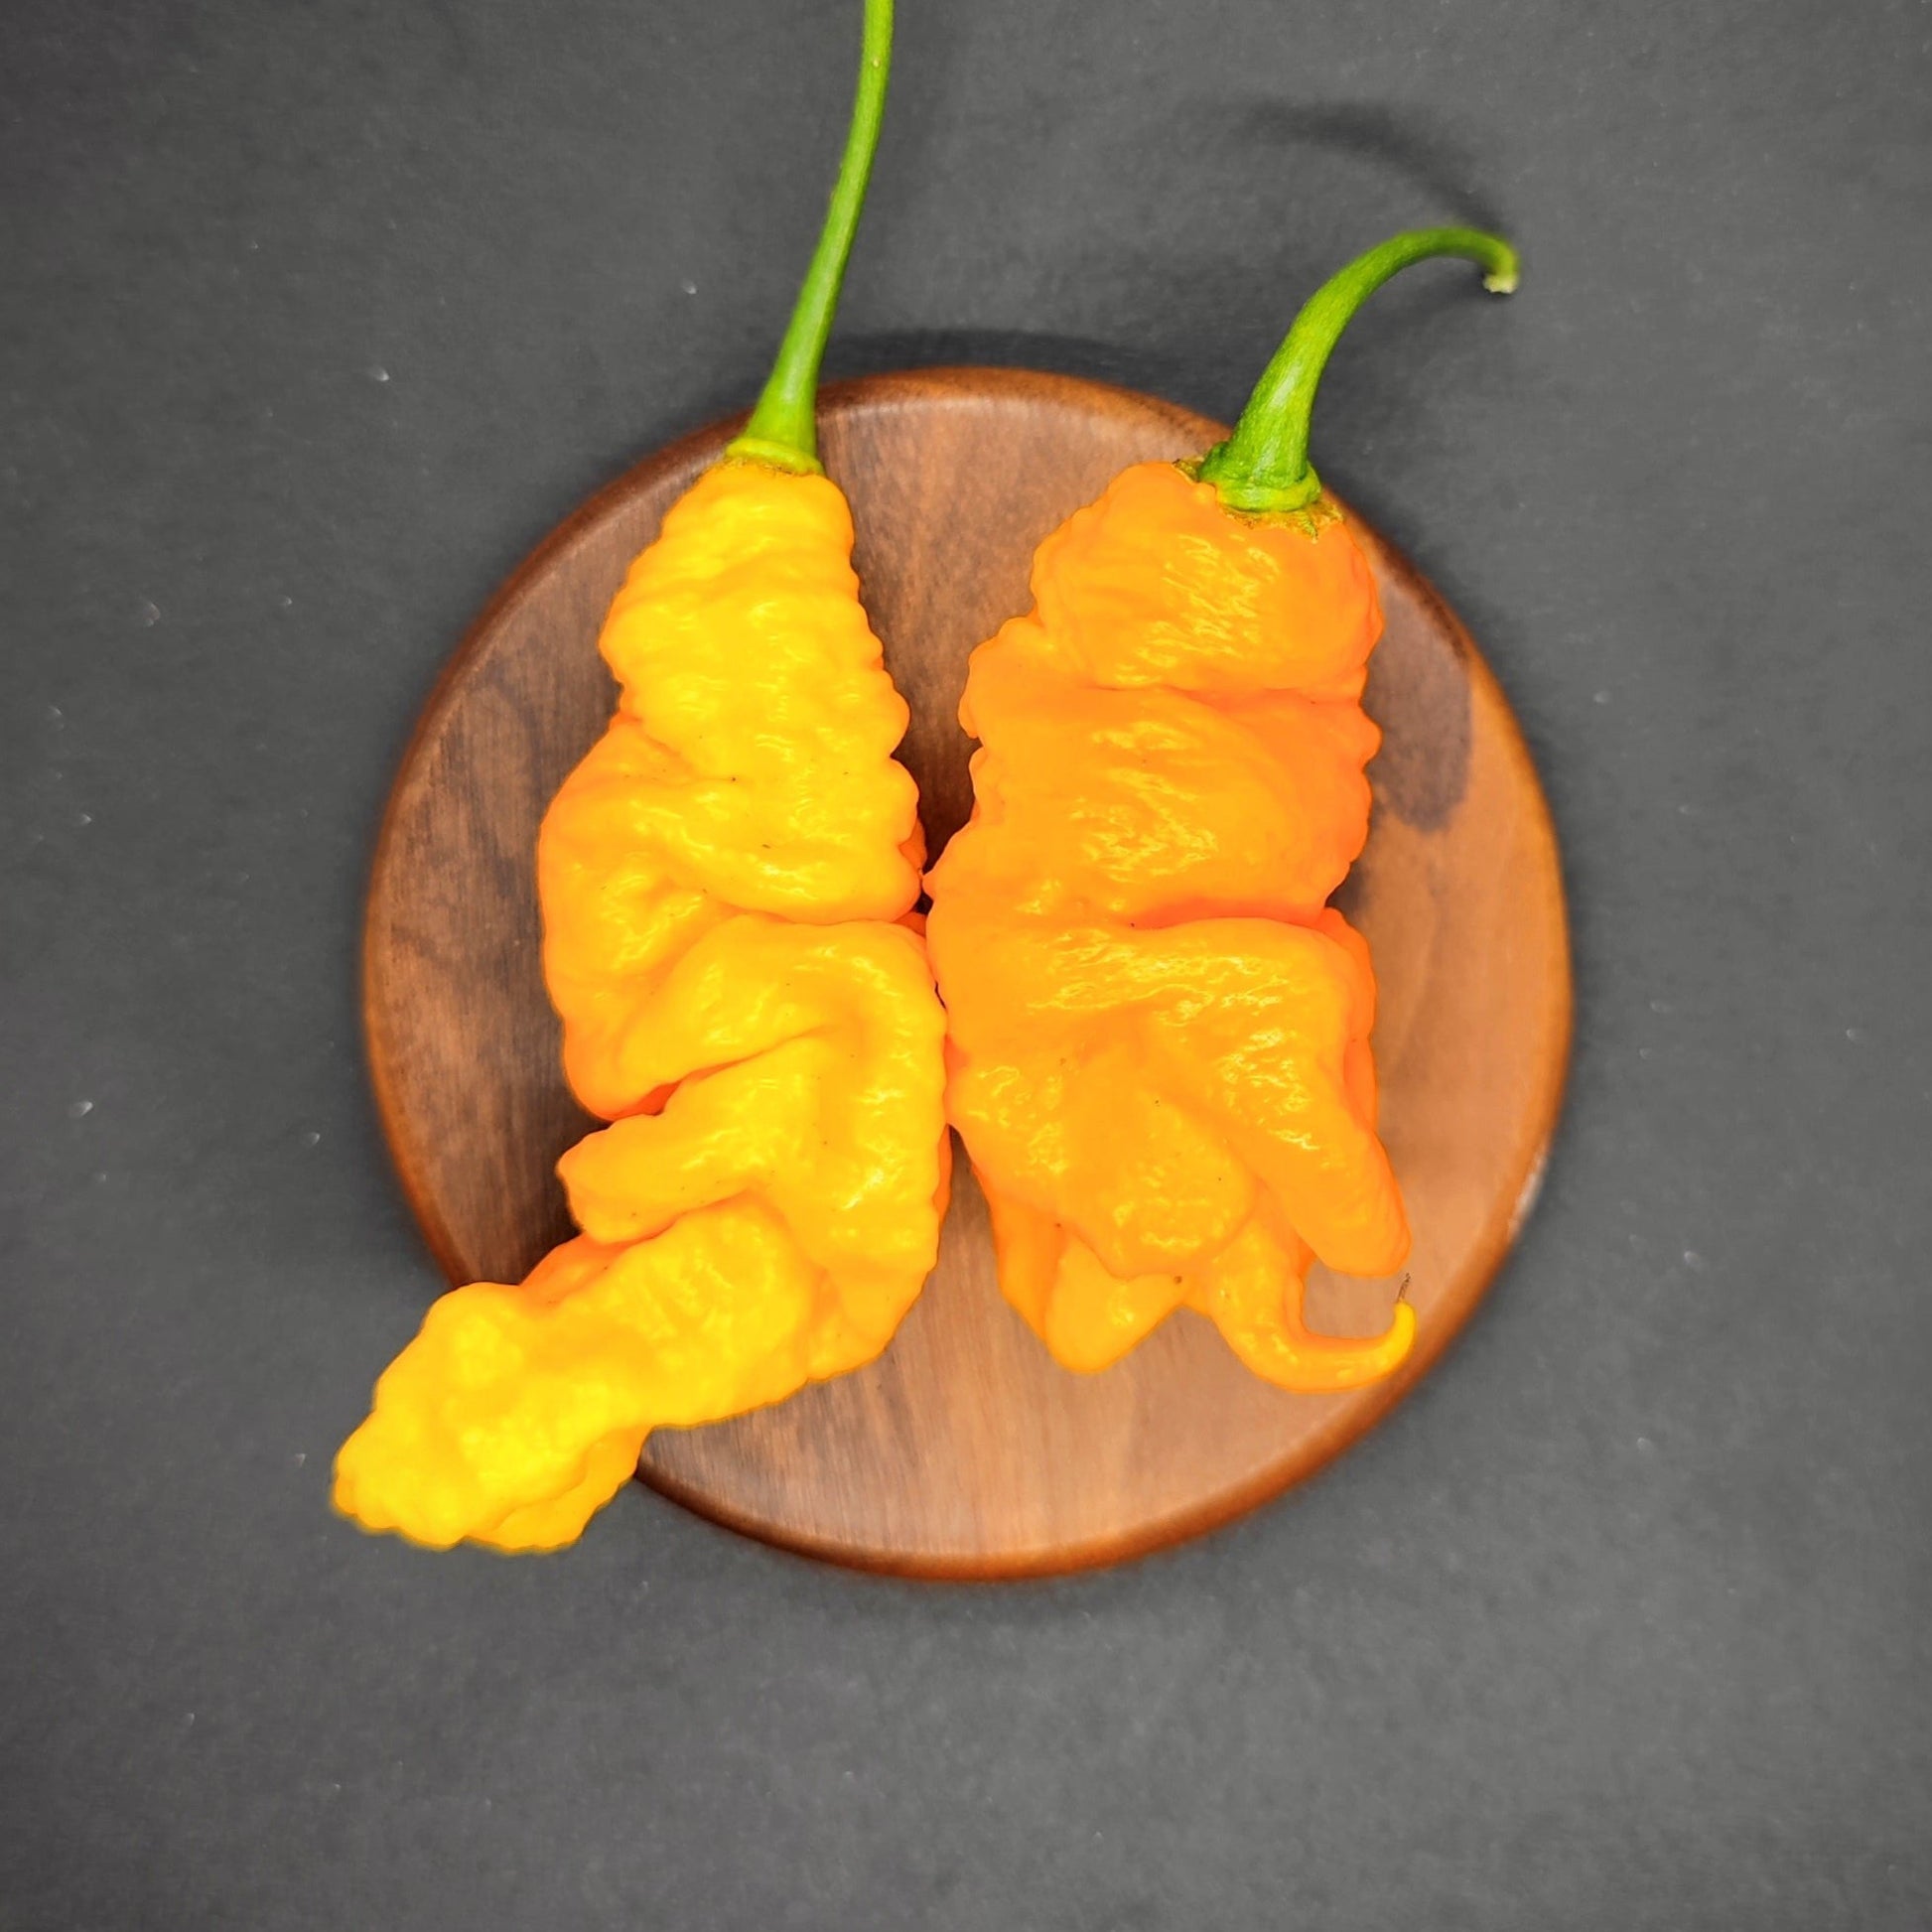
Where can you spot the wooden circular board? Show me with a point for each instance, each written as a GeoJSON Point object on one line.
{"type": "Point", "coordinates": [965, 1451]}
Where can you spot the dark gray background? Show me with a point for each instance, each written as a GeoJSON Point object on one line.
{"type": "Point", "coordinates": [315, 318]}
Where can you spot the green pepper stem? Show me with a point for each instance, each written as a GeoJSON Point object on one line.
{"type": "Point", "coordinates": [783, 430]}
{"type": "Point", "coordinates": [1264, 464]}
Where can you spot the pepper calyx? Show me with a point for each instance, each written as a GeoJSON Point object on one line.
{"type": "Point", "coordinates": [1305, 505]}
{"type": "Point", "coordinates": [773, 456]}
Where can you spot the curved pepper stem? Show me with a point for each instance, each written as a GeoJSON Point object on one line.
{"type": "Point", "coordinates": [1264, 464]}
{"type": "Point", "coordinates": [783, 430]}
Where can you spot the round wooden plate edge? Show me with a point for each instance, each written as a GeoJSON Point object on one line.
{"type": "Point", "coordinates": [1319, 1451]}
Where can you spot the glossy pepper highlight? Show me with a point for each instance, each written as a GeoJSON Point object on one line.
{"type": "Point", "coordinates": [1157, 1027]}
{"type": "Point", "coordinates": [725, 881]}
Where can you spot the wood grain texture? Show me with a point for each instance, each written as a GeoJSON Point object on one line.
{"type": "Point", "coordinates": [965, 1451]}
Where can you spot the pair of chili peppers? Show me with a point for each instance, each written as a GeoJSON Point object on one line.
{"type": "Point", "coordinates": [1154, 1038]}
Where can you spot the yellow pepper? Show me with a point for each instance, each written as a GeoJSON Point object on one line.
{"type": "Point", "coordinates": [726, 883]}
{"type": "Point", "coordinates": [1159, 1029]}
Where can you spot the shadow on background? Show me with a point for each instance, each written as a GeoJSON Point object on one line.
{"type": "Point", "coordinates": [1131, 365]}
{"type": "Point", "coordinates": [1423, 149]}
{"type": "Point", "coordinates": [1190, 306]}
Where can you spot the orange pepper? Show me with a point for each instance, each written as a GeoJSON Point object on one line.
{"type": "Point", "coordinates": [727, 882]}
{"type": "Point", "coordinates": [1157, 1028]}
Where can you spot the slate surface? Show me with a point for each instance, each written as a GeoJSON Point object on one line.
{"type": "Point", "coordinates": [314, 318]}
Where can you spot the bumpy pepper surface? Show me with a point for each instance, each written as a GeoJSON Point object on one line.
{"type": "Point", "coordinates": [1159, 1035]}
{"type": "Point", "coordinates": [720, 876]}
{"type": "Point", "coordinates": [1159, 1029]}
{"type": "Point", "coordinates": [726, 883]}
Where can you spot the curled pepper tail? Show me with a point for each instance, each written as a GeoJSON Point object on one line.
{"type": "Point", "coordinates": [1157, 1028]}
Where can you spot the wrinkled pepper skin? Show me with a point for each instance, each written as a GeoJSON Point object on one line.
{"type": "Point", "coordinates": [726, 879]}
{"type": "Point", "coordinates": [1157, 1028]}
